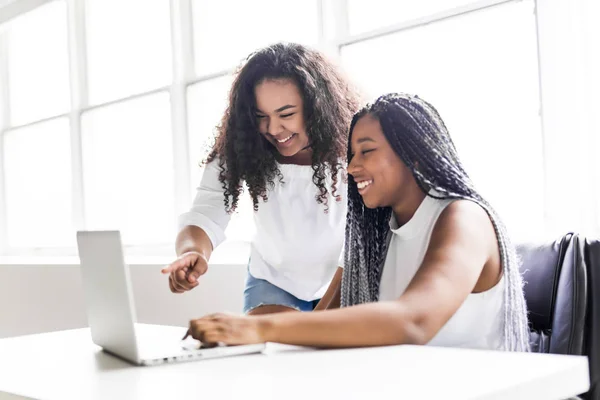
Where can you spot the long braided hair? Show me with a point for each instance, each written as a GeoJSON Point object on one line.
{"type": "Point", "coordinates": [416, 132]}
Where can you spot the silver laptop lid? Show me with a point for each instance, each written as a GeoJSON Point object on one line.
{"type": "Point", "coordinates": [107, 290]}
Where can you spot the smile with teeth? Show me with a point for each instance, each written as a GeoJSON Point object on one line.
{"type": "Point", "coordinates": [363, 184]}
{"type": "Point", "coordinates": [285, 139]}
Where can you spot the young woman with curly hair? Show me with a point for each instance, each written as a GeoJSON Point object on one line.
{"type": "Point", "coordinates": [284, 136]}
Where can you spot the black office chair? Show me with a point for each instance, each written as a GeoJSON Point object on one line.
{"type": "Point", "coordinates": [562, 289]}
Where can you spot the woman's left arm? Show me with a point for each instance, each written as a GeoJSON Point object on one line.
{"type": "Point", "coordinates": [458, 250]}
{"type": "Point", "coordinates": [331, 298]}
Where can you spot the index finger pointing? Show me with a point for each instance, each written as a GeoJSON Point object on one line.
{"type": "Point", "coordinates": [173, 266]}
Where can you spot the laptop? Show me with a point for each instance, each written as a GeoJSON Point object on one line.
{"type": "Point", "coordinates": [111, 311]}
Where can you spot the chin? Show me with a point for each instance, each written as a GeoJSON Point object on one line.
{"type": "Point", "coordinates": [288, 152]}
{"type": "Point", "coordinates": [370, 203]}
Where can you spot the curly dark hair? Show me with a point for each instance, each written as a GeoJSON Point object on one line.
{"type": "Point", "coordinates": [244, 155]}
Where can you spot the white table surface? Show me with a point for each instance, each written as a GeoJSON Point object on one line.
{"type": "Point", "coordinates": [67, 365]}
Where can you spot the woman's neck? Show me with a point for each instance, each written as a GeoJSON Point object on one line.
{"type": "Point", "coordinates": [303, 157]}
{"type": "Point", "coordinates": [406, 206]}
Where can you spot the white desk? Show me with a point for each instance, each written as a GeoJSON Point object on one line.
{"type": "Point", "coordinates": [67, 365]}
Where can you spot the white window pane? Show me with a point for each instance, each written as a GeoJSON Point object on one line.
{"type": "Point", "coordinates": [206, 103]}
{"type": "Point", "coordinates": [128, 169]}
{"type": "Point", "coordinates": [3, 108]}
{"type": "Point", "coordinates": [483, 80]}
{"type": "Point", "coordinates": [366, 15]}
{"type": "Point", "coordinates": [226, 31]}
{"type": "Point", "coordinates": [129, 47]}
{"type": "Point", "coordinates": [38, 64]}
{"type": "Point", "coordinates": [37, 161]}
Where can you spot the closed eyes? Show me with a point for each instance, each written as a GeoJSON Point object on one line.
{"type": "Point", "coordinates": [281, 116]}
{"type": "Point", "coordinates": [363, 152]}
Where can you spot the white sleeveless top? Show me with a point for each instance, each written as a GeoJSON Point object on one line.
{"type": "Point", "coordinates": [478, 323]}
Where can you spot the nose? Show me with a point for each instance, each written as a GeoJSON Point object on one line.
{"type": "Point", "coordinates": [273, 126]}
{"type": "Point", "coordinates": [355, 166]}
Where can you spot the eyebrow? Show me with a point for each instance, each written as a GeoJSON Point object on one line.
{"type": "Point", "coordinates": [280, 109]}
{"type": "Point", "coordinates": [365, 139]}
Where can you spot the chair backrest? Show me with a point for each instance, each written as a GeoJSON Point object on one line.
{"type": "Point", "coordinates": [562, 285]}
{"type": "Point", "coordinates": [592, 257]}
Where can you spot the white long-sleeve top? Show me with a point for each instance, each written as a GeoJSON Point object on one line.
{"type": "Point", "coordinates": [297, 245]}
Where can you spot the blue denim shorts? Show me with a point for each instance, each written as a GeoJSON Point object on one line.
{"type": "Point", "coordinates": [259, 292]}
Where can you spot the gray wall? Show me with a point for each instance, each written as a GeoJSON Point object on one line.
{"type": "Point", "coordinates": [43, 298]}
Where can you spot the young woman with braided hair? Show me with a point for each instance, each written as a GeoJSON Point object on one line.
{"type": "Point", "coordinates": [427, 259]}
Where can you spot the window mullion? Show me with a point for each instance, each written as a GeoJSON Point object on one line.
{"type": "Point", "coordinates": [333, 26]}
{"type": "Point", "coordinates": [4, 124]}
{"type": "Point", "coordinates": [79, 101]}
{"type": "Point", "coordinates": [544, 149]}
{"type": "Point", "coordinates": [183, 60]}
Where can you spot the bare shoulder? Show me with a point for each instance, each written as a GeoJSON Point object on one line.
{"type": "Point", "coordinates": [466, 219]}
{"type": "Point", "coordinates": [466, 210]}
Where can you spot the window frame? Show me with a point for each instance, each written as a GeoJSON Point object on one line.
{"type": "Point", "coordinates": [333, 35]}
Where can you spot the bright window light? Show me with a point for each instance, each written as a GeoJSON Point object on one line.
{"type": "Point", "coordinates": [38, 64]}
{"type": "Point", "coordinates": [129, 47]}
{"type": "Point", "coordinates": [37, 162]}
{"type": "Point", "coordinates": [128, 170]}
{"type": "Point", "coordinates": [226, 31]}
{"type": "Point", "coordinates": [485, 87]}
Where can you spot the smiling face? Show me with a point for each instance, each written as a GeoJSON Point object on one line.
{"type": "Point", "coordinates": [380, 175]}
{"type": "Point", "coordinates": [280, 116]}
